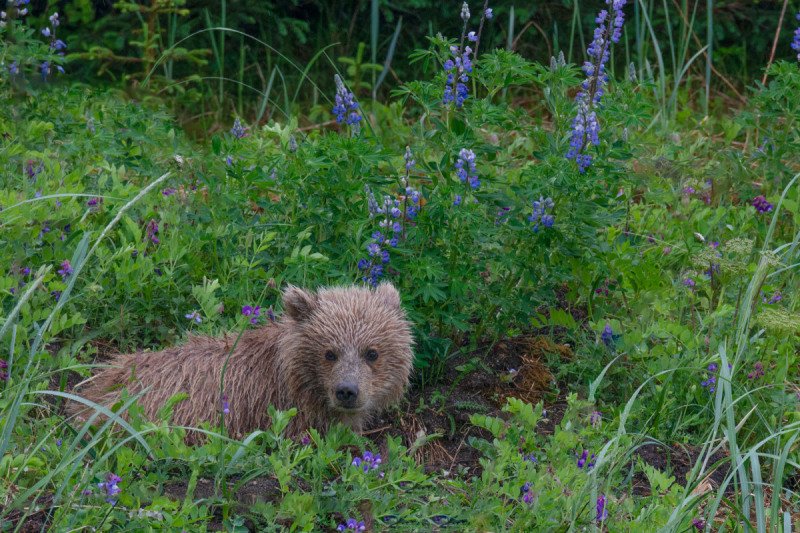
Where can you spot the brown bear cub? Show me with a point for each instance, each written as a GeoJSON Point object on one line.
{"type": "Point", "coordinates": [337, 355]}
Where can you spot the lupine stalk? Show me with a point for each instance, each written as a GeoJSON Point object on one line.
{"type": "Point", "coordinates": [585, 127]}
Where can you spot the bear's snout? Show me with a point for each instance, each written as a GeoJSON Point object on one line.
{"type": "Point", "coordinates": [347, 395]}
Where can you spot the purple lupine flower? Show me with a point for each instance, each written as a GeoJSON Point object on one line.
{"type": "Point", "coordinates": [761, 204]}
{"type": "Point", "coordinates": [229, 160]}
{"type": "Point", "coordinates": [58, 443]}
{"type": "Point", "coordinates": [169, 191]}
{"type": "Point", "coordinates": [526, 492]}
{"type": "Point", "coordinates": [152, 231]}
{"type": "Point", "coordinates": [466, 169]}
{"type": "Point", "coordinates": [409, 159]}
{"type": "Point", "coordinates": [271, 314]}
{"type": "Point", "coordinates": [3, 370]}
{"type": "Point", "coordinates": [56, 295]}
{"type": "Point", "coordinates": [94, 201]}
{"type": "Point", "coordinates": [306, 440]}
{"type": "Point", "coordinates": [66, 269]}
{"type": "Point", "coordinates": [110, 487]}
{"type": "Point", "coordinates": [13, 68]}
{"type": "Point", "coordinates": [585, 461]}
{"type": "Point", "coordinates": [796, 40]}
{"type": "Point", "coordinates": [458, 70]}
{"type": "Point", "coordinates": [488, 13]}
{"type": "Point", "coordinates": [457, 200]}
{"type": "Point", "coordinates": [585, 127]}
{"type": "Point", "coordinates": [195, 316]}
{"type": "Point", "coordinates": [602, 512]}
{"type": "Point", "coordinates": [226, 407]}
{"type": "Point", "coordinates": [699, 524]}
{"type": "Point", "coordinates": [689, 283]}
{"type": "Point", "coordinates": [540, 213]}
{"type": "Point", "coordinates": [86, 492]}
{"type": "Point", "coordinates": [345, 106]}
{"type": "Point", "coordinates": [238, 130]}
{"type": "Point", "coordinates": [595, 419]}
{"type": "Point", "coordinates": [758, 371]}
{"type": "Point", "coordinates": [351, 524]}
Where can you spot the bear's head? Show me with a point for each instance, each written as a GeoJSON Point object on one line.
{"type": "Point", "coordinates": [347, 349]}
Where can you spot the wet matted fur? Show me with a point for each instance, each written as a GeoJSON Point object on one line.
{"type": "Point", "coordinates": [352, 337]}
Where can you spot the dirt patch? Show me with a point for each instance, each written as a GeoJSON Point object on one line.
{"type": "Point", "coordinates": [678, 461]}
{"type": "Point", "coordinates": [474, 382]}
{"type": "Point", "coordinates": [257, 490]}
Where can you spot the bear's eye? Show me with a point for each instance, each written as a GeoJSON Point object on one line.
{"type": "Point", "coordinates": [371, 355]}
{"type": "Point", "coordinates": [330, 356]}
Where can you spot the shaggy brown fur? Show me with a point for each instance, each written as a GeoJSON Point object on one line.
{"type": "Point", "coordinates": [317, 358]}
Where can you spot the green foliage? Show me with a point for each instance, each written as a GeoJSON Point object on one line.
{"type": "Point", "coordinates": [121, 234]}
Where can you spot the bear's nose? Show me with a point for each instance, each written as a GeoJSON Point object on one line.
{"type": "Point", "coordinates": [347, 394]}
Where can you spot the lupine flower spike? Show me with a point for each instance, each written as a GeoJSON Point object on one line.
{"type": "Point", "coordinates": [346, 107]}
{"type": "Point", "coordinates": [585, 127]}
{"type": "Point", "coordinates": [796, 40]}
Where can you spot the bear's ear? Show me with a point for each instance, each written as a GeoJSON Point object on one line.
{"type": "Point", "coordinates": [298, 304]}
{"type": "Point", "coordinates": [388, 295]}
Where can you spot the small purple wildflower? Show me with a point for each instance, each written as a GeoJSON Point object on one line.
{"type": "Point", "coordinates": [607, 336]}
{"type": "Point", "coordinates": [711, 381]}
{"type": "Point", "coordinates": [585, 461]}
{"type": "Point", "coordinates": [346, 106]}
{"type": "Point", "coordinates": [758, 371]}
{"type": "Point", "coordinates": [56, 295]}
{"type": "Point", "coordinates": [238, 130]}
{"type": "Point", "coordinates": [531, 458]}
{"type": "Point", "coordinates": [66, 269]}
{"type": "Point", "coordinates": [540, 213]}
{"type": "Point", "coordinates": [252, 312]}
{"type": "Point", "coordinates": [110, 487]}
{"type": "Point", "coordinates": [229, 160]}
{"type": "Point", "coordinates": [352, 525]}
{"type": "Point", "coordinates": [689, 283]}
{"type": "Point", "coordinates": [699, 524]}
{"type": "Point", "coordinates": [761, 204]}
{"type": "Point", "coordinates": [526, 492]}
{"type": "Point", "coordinates": [488, 13]}
{"type": "Point", "coordinates": [86, 492]}
{"type": "Point", "coordinates": [775, 298]}
{"type": "Point", "coordinates": [457, 200]}
{"type": "Point", "coordinates": [226, 406]}
{"type": "Point", "coordinates": [595, 419]}
{"type": "Point", "coordinates": [195, 316]}
{"type": "Point", "coordinates": [152, 231]}
{"type": "Point", "coordinates": [3, 370]}
{"type": "Point", "coordinates": [93, 201]}
{"type": "Point", "coordinates": [271, 314]}
{"type": "Point", "coordinates": [796, 39]}
{"type": "Point", "coordinates": [367, 462]}
{"type": "Point", "coordinates": [169, 191]}
{"type": "Point", "coordinates": [602, 512]}
{"type": "Point", "coordinates": [306, 440]}
{"type": "Point", "coordinates": [58, 443]}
